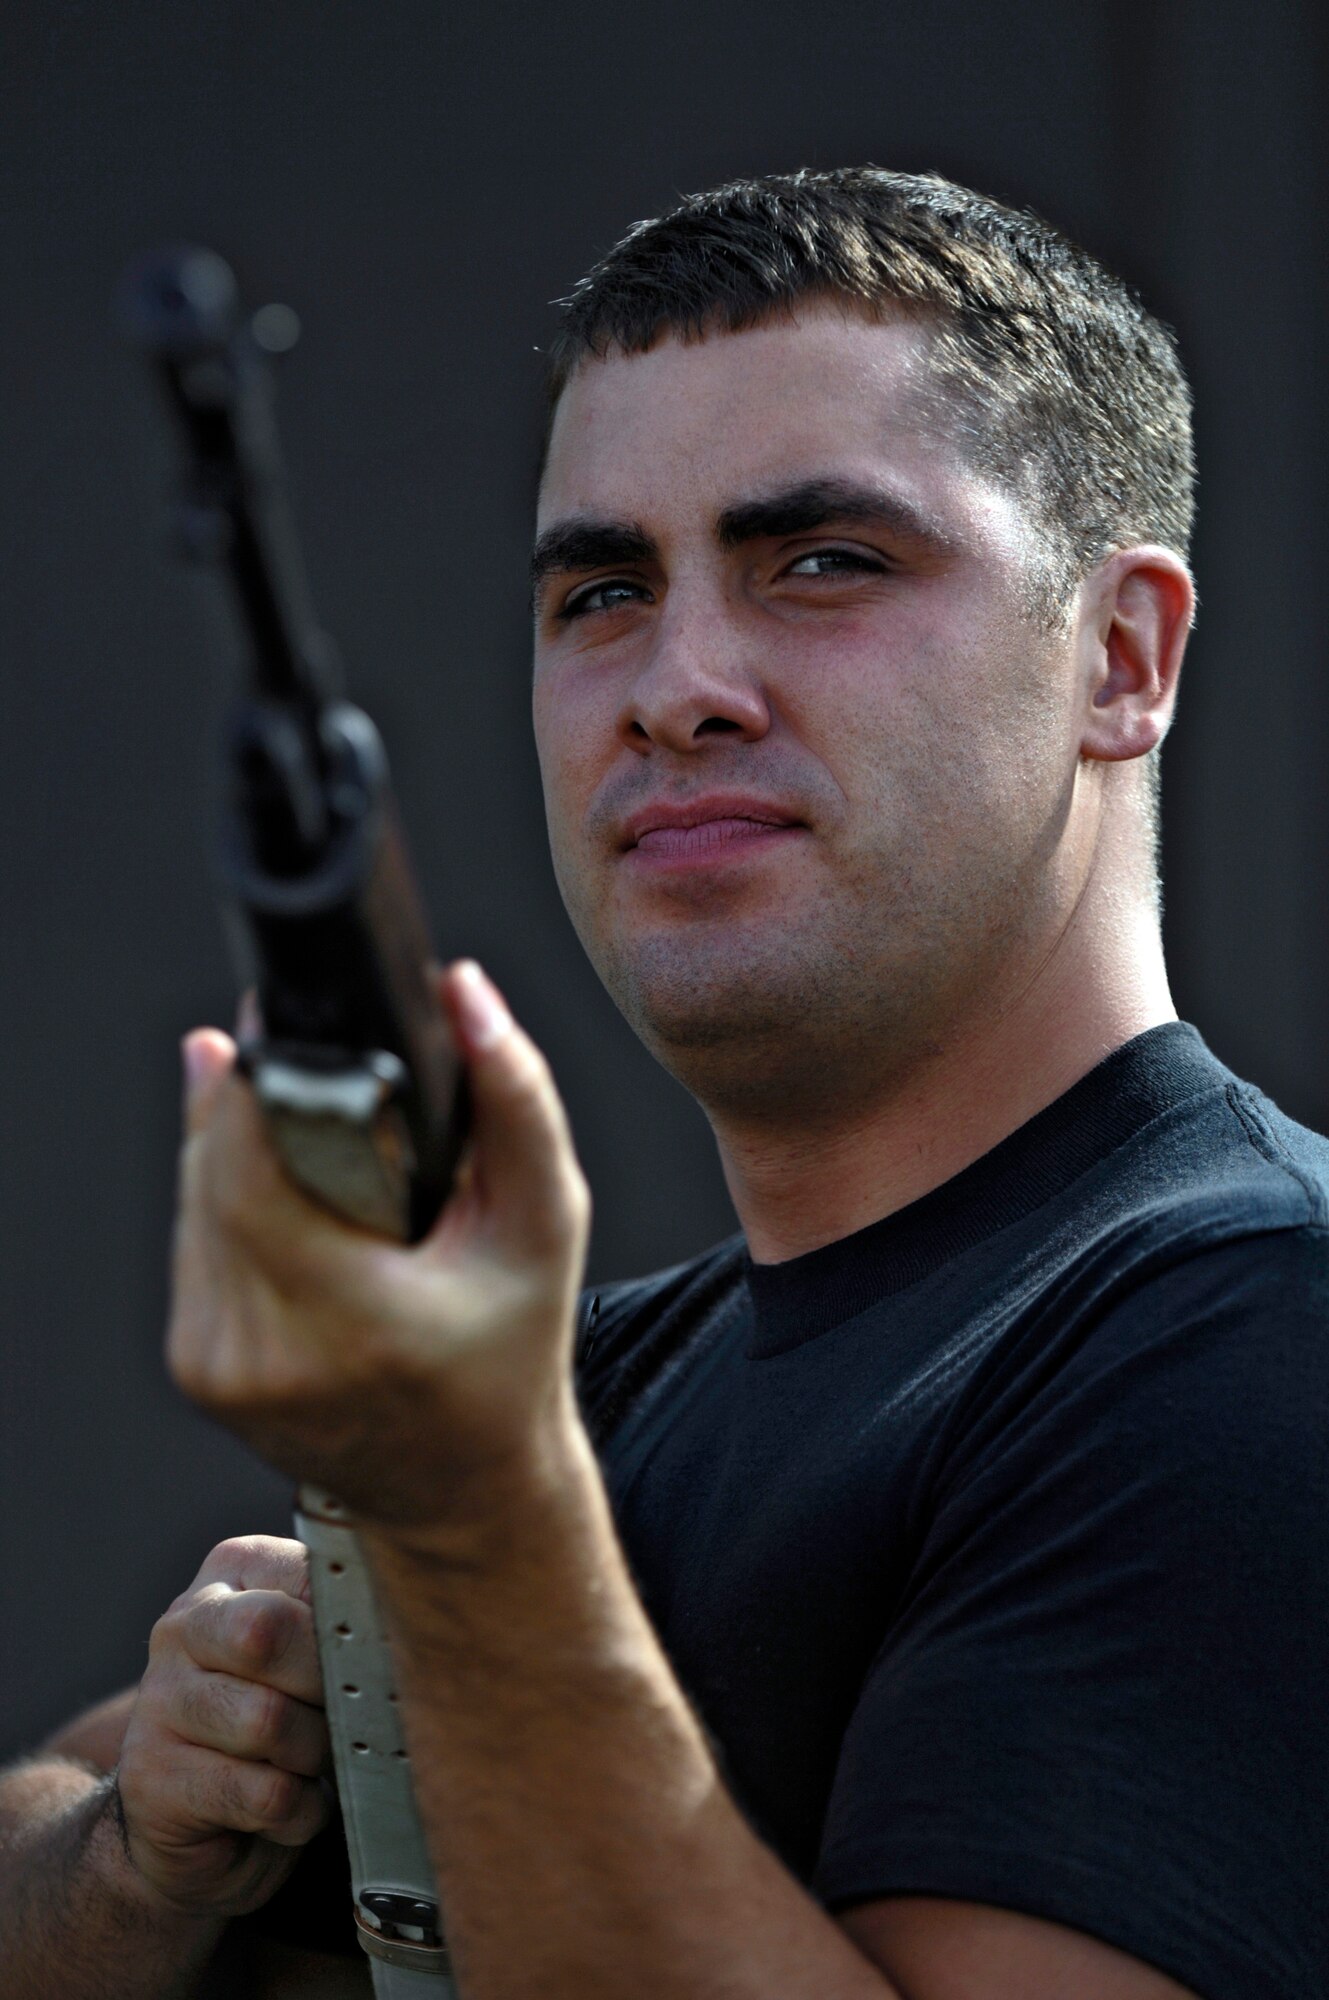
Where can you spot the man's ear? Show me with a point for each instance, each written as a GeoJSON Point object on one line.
{"type": "Point", "coordinates": [1138, 607]}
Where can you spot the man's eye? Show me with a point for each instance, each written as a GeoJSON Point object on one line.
{"type": "Point", "coordinates": [834, 562]}
{"type": "Point", "coordinates": [604, 596]}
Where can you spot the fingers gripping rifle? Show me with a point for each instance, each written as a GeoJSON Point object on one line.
{"type": "Point", "coordinates": [355, 1070]}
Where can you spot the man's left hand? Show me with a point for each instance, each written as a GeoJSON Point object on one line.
{"type": "Point", "coordinates": [402, 1379]}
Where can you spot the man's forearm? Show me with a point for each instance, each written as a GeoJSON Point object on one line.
{"type": "Point", "coordinates": [584, 1841]}
{"type": "Point", "coordinates": [76, 1922]}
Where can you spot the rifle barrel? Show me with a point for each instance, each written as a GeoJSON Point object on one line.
{"type": "Point", "coordinates": [182, 306]}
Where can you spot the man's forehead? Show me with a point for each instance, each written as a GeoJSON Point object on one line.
{"type": "Point", "coordinates": [746, 410]}
{"type": "Point", "coordinates": [670, 441]}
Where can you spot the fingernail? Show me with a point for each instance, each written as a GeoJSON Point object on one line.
{"type": "Point", "coordinates": [485, 1019]}
{"type": "Point", "coordinates": [194, 1060]}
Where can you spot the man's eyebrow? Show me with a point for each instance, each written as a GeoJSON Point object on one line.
{"type": "Point", "coordinates": [581, 543]}
{"type": "Point", "coordinates": [815, 503]}
{"type": "Point", "coordinates": [584, 543]}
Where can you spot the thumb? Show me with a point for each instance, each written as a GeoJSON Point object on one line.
{"type": "Point", "coordinates": [207, 1057]}
{"type": "Point", "coordinates": [524, 1163]}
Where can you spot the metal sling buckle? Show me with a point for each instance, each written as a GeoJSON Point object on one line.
{"type": "Point", "coordinates": [401, 1929]}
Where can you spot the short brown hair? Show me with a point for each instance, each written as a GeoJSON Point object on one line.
{"type": "Point", "coordinates": [1064, 388]}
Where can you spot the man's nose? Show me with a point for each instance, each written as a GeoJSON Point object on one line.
{"type": "Point", "coordinates": [699, 681]}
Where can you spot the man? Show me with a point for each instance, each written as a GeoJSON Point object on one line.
{"type": "Point", "coordinates": [944, 1614]}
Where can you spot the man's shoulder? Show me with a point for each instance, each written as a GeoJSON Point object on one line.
{"type": "Point", "coordinates": [1122, 1192]}
{"type": "Point", "coordinates": [1224, 1165]}
{"type": "Point", "coordinates": [1190, 1192]}
{"type": "Point", "coordinates": [1198, 1250]}
{"type": "Point", "coordinates": [1294, 1156]}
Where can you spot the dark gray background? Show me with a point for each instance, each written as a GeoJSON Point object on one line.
{"type": "Point", "coordinates": [419, 182]}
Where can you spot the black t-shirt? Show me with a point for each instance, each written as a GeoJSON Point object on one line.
{"type": "Point", "coordinates": [992, 1542]}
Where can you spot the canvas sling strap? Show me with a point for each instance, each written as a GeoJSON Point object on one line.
{"type": "Point", "coordinates": [396, 1900]}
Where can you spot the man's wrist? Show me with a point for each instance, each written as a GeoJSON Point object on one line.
{"type": "Point", "coordinates": [110, 1854]}
{"type": "Point", "coordinates": [492, 1516]}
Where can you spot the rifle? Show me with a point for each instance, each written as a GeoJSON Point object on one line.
{"type": "Point", "coordinates": [354, 1067]}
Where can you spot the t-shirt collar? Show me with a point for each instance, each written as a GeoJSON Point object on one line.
{"type": "Point", "coordinates": [804, 1296]}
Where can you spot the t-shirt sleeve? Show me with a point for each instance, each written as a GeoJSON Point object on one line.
{"type": "Point", "coordinates": [1103, 1699]}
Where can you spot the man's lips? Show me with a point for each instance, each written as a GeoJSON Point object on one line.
{"type": "Point", "coordinates": [704, 827]}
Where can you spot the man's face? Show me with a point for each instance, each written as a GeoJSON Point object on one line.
{"type": "Point", "coordinates": [808, 763]}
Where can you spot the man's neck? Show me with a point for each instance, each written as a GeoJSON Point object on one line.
{"type": "Point", "coordinates": [798, 1185]}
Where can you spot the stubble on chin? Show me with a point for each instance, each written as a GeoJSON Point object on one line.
{"type": "Point", "coordinates": [756, 1020]}
{"type": "Point", "coordinates": [800, 1014]}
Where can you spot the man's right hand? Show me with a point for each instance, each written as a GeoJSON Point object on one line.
{"type": "Point", "coordinates": [221, 1776]}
